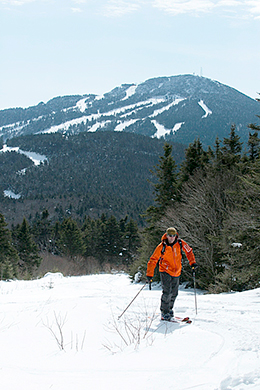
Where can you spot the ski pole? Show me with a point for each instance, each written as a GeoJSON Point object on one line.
{"type": "Point", "coordinates": [132, 300]}
{"type": "Point", "coordinates": [194, 282]}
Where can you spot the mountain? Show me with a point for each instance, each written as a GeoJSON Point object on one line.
{"type": "Point", "coordinates": [178, 108]}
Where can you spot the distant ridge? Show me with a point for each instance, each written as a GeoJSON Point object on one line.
{"type": "Point", "coordinates": [177, 108]}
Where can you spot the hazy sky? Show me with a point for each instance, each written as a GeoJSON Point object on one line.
{"type": "Point", "coordinates": [53, 48]}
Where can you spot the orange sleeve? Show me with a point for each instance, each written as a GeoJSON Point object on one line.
{"type": "Point", "coordinates": [188, 252]}
{"type": "Point", "coordinates": [154, 260]}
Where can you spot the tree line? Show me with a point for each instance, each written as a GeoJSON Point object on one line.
{"type": "Point", "coordinates": [105, 240]}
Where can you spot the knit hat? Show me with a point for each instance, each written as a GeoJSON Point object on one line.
{"type": "Point", "coordinates": [171, 231]}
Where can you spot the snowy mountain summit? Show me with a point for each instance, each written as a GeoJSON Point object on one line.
{"type": "Point", "coordinates": [178, 108]}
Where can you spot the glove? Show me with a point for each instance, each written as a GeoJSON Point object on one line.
{"type": "Point", "coordinates": [194, 266]}
{"type": "Point", "coordinates": [149, 279]}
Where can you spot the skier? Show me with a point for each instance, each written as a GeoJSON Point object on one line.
{"type": "Point", "coordinates": [169, 255]}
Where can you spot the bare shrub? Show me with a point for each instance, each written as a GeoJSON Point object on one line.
{"type": "Point", "coordinates": [68, 267]}
{"type": "Point", "coordinates": [56, 329]}
{"type": "Point", "coordinates": [131, 331]}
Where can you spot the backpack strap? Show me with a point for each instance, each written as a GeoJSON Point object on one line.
{"type": "Point", "coordinates": [162, 251]}
{"type": "Point", "coordinates": [180, 243]}
{"type": "Point", "coordinates": [163, 248]}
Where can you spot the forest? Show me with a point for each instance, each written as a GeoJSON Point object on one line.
{"type": "Point", "coordinates": [212, 199]}
{"type": "Point", "coordinates": [88, 174]}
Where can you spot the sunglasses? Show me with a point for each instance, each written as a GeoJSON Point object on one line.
{"type": "Point", "coordinates": [171, 235]}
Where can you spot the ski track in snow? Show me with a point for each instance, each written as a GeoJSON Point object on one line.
{"type": "Point", "coordinates": [218, 351]}
{"type": "Point", "coordinates": [205, 108]}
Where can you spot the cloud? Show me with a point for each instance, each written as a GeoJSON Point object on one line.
{"type": "Point", "coordinates": [15, 2]}
{"type": "Point", "coordinates": [76, 10]}
{"type": "Point", "coordinates": [120, 8]}
{"type": "Point", "coordinates": [176, 7]}
{"type": "Point", "coordinates": [241, 8]}
{"type": "Point", "coordinates": [254, 6]}
{"type": "Point", "coordinates": [117, 8]}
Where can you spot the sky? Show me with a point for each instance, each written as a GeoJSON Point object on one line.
{"type": "Point", "coordinates": [52, 48]}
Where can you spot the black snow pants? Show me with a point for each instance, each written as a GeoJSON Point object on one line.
{"type": "Point", "coordinates": [170, 285]}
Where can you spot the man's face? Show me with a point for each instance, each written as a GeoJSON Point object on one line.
{"type": "Point", "coordinates": [171, 238]}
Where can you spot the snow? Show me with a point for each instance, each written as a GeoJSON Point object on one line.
{"type": "Point", "coordinates": [236, 244]}
{"type": "Point", "coordinates": [122, 125]}
{"type": "Point", "coordinates": [167, 107]}
{"type": "Point", "coordinates": [98, 125]}
{"type": "Point", "coordinates": [205, 108]}
{"type": "Point", "coordinates": [35, 157]}
{"type": "Point", "coordinates": [99, 97]}
{"type": "Point", "coordinates": [218, 351]}
{"type": "Point", "coordinates": [82, 104]}
{"type": "Point", "coordinates": [130, 92]}
{"type": "Point", "coordinates": [162, 131]}
{"type": "Point", "coordinates": [118, 111]}
{"type": "Point", "coordinates": [10, 194]}
{"type": "Point", "coordinates": [177, 126]}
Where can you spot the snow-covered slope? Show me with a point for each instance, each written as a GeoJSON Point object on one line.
{"type": "Point", "coordinates": [219, 350]}
{"type": "Point", "coordinates": [204, 108]}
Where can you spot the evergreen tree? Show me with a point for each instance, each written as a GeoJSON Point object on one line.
{"type": "Point", "coordinates": [166, 186]}
{"type": "Point", "coordinates": [195, 158]}
{"type": "Point", "coordinates": [26, 247]}
{"type": "Point", "coordinates": [217, 161]}
{"type": "Point", "coordinates": [90, 237]}
{"type": "Point", "coordinates": [232, 147]}
{"type": "Point", "coordinates": [71, 239]}
{"type": "Point", "coordinates": [111, 239]}
{"type": "Point", "coordinates": [132, 236]}
{"type": "Point", "coordinates": [253, 144]}
{"type": "Point", "coordinates": [8, 254]}
{"type": "Point", "coordinates": [42, 231]}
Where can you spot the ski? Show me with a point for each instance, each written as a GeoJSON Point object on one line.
{"type": "Point", "coordinates": [177, 320]}
{"type": "Point", "coordinates": [185, 319]}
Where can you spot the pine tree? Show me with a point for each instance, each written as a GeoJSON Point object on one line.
{"type": "Point", "coordinates": [8, 254]}
{"type": "Point", "coordinates": [254, 146]}
{"type": "Point", "coordinates": [165, 188]}
{"type": "Point", "coordinates": [27, 248]}
{"type": "Point", "coordinates": [42, 231]}
{"type": "Point", "coordinates": [195, 158]}
{"type": "Point", "coordinates": [132, 236]}
{"type": "Point", "coordinates": [71, 239]}
{"type": "Point", "coordinates": [232, 147]}
{"type": "Point", "coordinates": [111, 239]}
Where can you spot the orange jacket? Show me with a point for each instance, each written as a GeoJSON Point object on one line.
{"type": "Point", "coordinates": [170, 260]}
